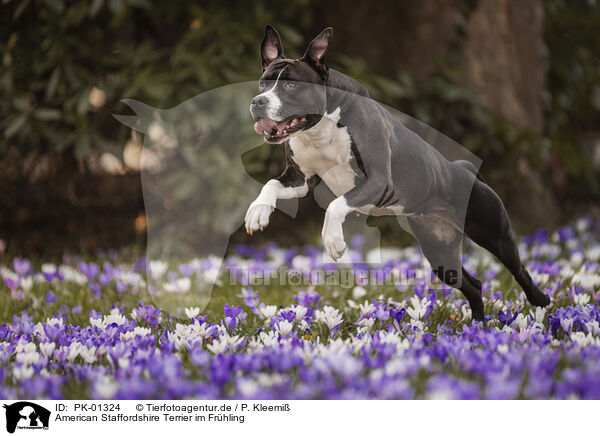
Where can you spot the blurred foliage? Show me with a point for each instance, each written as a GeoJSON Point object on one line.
{"type": "Point", "coordinates": [66, 64]}
{"type": "Point", "coordinates": [572, 100]}
{"type": "Point", "coordinates": [58, 53]}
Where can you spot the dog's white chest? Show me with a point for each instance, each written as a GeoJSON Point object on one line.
{"type": "Point", "coordinates": [325, 150]}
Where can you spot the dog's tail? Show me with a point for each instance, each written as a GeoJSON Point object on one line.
{"type": "Point", "coordinates": [469, 167]}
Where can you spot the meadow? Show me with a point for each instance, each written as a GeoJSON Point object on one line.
{"type": "Point", "coordinates": [95, 328]}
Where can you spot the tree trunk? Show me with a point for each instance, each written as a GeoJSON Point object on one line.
{"type": "Point", "coordinates": [503, 58]}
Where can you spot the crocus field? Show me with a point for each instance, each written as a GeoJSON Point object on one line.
{"type": "Point", "coordinates": [87, 328]}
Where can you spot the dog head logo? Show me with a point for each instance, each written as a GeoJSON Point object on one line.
{"type": "Point", "coordinates": [26, 415]}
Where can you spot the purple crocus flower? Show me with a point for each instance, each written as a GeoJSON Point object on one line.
{"type": "Point", "coordinates": [251, 299]}
{"type": "Point", "coordinates": [307, 298]}
{"type": "Point", "coordinates": [50, 297]}
{"type": "Point", "coordinates": [506, 318]}
{"type": "Point", "coordinates": [104, 278]}
{"type": "Point", "coordinates": [95, 287]}
{"type": "Point", "coordinates": [54, 331]}
{"type": "Point", "coordinates": [12, 284]}
{"type": "Point", "coordinates": [90, 270]}
{"type": "Point", "coordinates": [22, 266]}
{"type": "Point", "coordinates": [186, 269]}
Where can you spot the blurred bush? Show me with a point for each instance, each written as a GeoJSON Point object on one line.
{"type": "Point", "coordinates": [66, 65]}
{"type": "Point", "coordinates": [572, 97]}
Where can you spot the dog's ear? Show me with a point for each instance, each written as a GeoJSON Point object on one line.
{"type": "Point", "coordinates": [271, 47]}
{"type": "Point", "coordinates": [315, 53]}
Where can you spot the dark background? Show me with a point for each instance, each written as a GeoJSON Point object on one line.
{"type": "Point", "coordinates": [516, 82]}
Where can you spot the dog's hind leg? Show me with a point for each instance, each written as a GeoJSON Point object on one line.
{"type": "Point", "coordinates": [441, 244]}
{"type": "Point", "coordinates": [487, 224]}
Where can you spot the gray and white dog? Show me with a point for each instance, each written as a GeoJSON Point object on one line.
{"type": "Point", "coordinates": [333, 132]}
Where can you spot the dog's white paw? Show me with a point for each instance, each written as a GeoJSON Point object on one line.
{"type": "Point", "coordinates": [333, 234]}
{"type": "Point", "coordinates": [333, 240]}
{"type": "Point", "coordinates": [257, 217]}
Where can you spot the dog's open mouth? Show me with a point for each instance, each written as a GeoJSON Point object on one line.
{"type": "Point", "coordinates": [277, 131]}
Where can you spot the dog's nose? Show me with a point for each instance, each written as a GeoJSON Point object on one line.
{"type": "Point", "coordinates": [259, 101]}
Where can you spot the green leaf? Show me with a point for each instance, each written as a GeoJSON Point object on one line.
{"type": "Point", "coordinates": [83, 102]}
{"type": "Point", "coordinates": [15, 125]}
{"type": "Point", "coordinates": [53, 83]}
{"type": "Point", "coordinates": [82, 147]}
{"type": "Point", "coordinates": [47, 114]}
{"type": "Point", "coordinates": [96, 6]}
{"type": "Point", "coordinates": [21, 103]}
{"type": "Point", "coordinates": [115, 6]}
{"type": "Point", "coordinates": [57, 6]}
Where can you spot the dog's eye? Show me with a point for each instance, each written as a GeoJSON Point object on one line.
{"type": "Point", "coordinates": [261, 85]}
{"type": "Point", "coordinates": [290, 85]}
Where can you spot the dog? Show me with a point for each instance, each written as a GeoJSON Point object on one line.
{"type": "Point", "coordinates": [333, 132]}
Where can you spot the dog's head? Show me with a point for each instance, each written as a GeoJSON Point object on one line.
{"type": "Point", "coordinates": [291, 91]}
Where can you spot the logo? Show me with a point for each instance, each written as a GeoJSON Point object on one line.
{"type": "Point", "coordinates": [195, 163]}
{"type": "Point", "coordinates": [26, 415]}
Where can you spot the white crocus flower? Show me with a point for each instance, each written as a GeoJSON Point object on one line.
{"type": "Point", "coordinates": [28, 357]}
{"type": "Point", "coordinates": [583, 340]}
{"type": "Point", "coordinates": [540, 313]}
{"type": "Point", "coordinates": [26, 283]}
{"type": "Point", "coordinates": [352, 304]}
{"type": "Point", "coordinates": [73, 351]}
{"type": "Point", "coordinates": [47, 348]}
{"type": "Point", "coordinates": [192, 312]}
{"type": "Point", "coordinates": [22, 372]}
{"type": "Point", "coordinates": [188, 335]}
{"type": "Point", "coordinates": [581, 299]}
{"type": "Point", "coordinates": [88, 354]}
{"type": "Point", "coordinates": [70, 274]}
{"type": "Point", "coordinates": [300, 313]}
{"type": "Point", "coordinates": [49, 268]}
{"type": "Point", "coordinates": [138, 331]}
{"type": "Point", "coordinates": [419, 307]}
{"type": "Point", "coordinates": [330, 316]}
{"type": "Point", "coordinates": [224, 343]}
{"type": "Point", "coordinates": [589, 281]}
{"type": "Point", "coordinates": [105, 387]}
{"type": "Point", "coordinates": [184, 284]}
{"type": "Point", "coordinates": [366, 324]}
{"type": "Point", "coordinates": [268, 311]}
{"type": "Point", "coordinates": [268, 339]}
{"type": "Point", "coordinates": [417, 325]}
{"type": "Point", "coordinates": [521, 321]}
{"type": "Point", "coordinates": [566, 324]}
{"type": "Point", "coordinates": [115, 317]}
{"type": "Point", "coordinates": [158, 268]}
{"type": "Point", "coordinates": [283, 328]}
{"type": "Point", "coordinates": [55, 322]}
{"type": "Point", "coordinates": [366, 308]}
{"type": "Point", "coordinates": [180, 285]}
{"type": "Point", "coordinates": [358, 292]}
{"type": "Point", "coordinates": [466, 312]}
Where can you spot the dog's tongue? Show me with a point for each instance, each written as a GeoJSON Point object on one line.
{"type": "Point", "coordinates": [266, 125]}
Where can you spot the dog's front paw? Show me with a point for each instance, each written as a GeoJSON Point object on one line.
{"type": "Point", "coordinates": [257, 217]}
{"type": "Point", "coordinates": [333, 240]}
